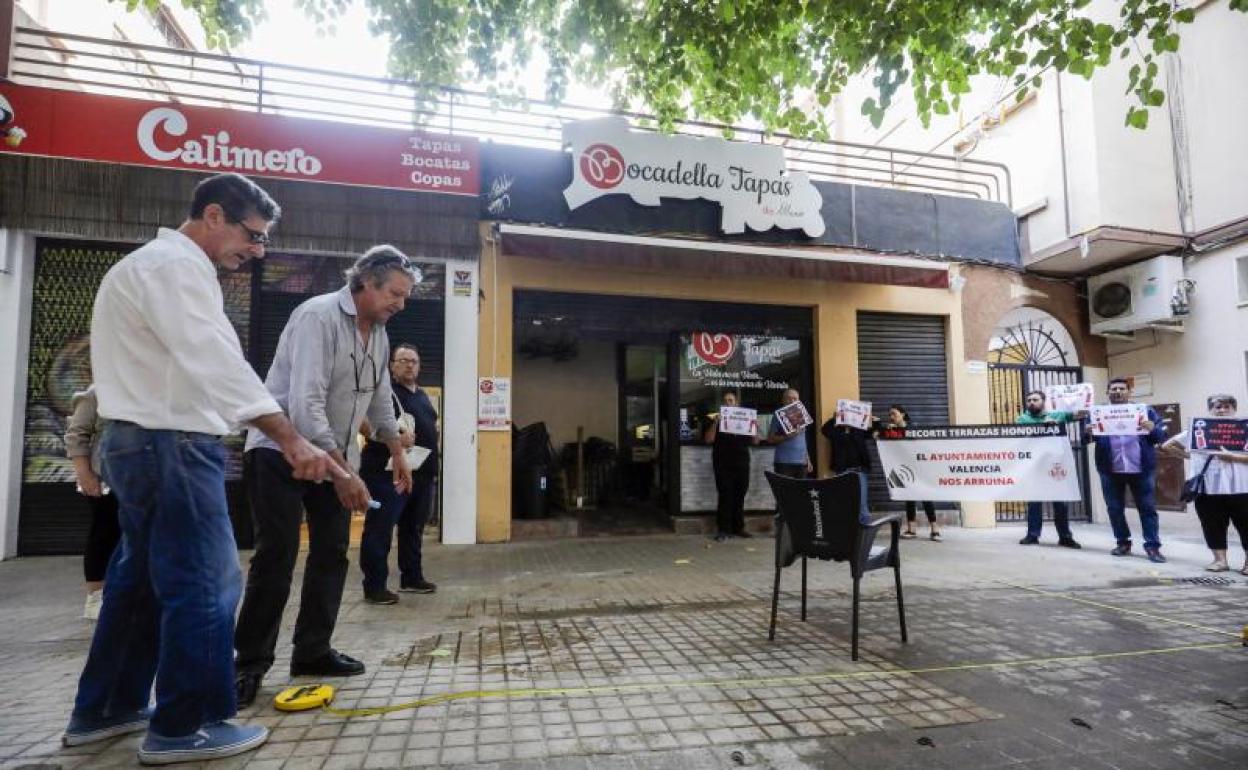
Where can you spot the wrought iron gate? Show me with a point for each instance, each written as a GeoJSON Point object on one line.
{"type": "Point", "coordinates": [1008, 385]}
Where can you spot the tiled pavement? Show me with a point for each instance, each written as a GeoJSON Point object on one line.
{"type": "Point", "coordinates": [656, 650]}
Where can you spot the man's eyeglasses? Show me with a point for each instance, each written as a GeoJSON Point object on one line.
{"type": "Point", "coordinates": [257, 237]}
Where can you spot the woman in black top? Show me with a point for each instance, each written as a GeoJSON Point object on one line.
{"type": "Point", "coordinates": [730, 460]}
{"type": "Point", "coordinates": [899, 418]}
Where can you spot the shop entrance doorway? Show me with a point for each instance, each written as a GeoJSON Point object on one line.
{"type": "Point", "coordinates": [608, 387]}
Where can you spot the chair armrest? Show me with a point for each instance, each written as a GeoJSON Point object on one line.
{"type": "Point", "coordinates": [868, 534]}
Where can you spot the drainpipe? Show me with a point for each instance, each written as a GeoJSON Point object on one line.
{"type": "Point", "coordinates": [1061, 138]}
{"type": "Point", "coordinates": [8, 17]}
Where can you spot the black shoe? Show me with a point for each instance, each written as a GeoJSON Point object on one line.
{"type": "Point", "coordinates": [1122, 550]}
{"type": "Point", "coordinates": [381, 597]}
{"type": "Point", "coordinates": [1029, 540]}
{"type": "Point", "coordinates": [721, 537]}
{"type": "Point", "coordinates": [245, 688]}
{"type": "Point", "coordinates": [743, 533]}
{"type": "Point", "coordinates": [1154, 555]}
{"type": "Point", "coordinates": [1069, 542]}
{"type": "Point", "coordinates": [419, 587]}
{"type": "Point", "coordinates": [332, 663]}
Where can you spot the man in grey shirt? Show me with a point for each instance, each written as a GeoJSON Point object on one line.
{"type": "Point", "coordinates": [329, 373]}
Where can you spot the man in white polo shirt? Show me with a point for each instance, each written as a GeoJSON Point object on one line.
{"type": "Point", "coordinates": [171, 380]}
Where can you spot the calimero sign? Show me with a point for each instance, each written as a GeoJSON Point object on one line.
{"type": "Point", "coordinates": [750, 181]}
{"type": "Point", "coordinates": [70, 124]}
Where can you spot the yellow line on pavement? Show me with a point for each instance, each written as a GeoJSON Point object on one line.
{"type": "Point", "coordinates": [1123, 610]}
{"type": "Point", "coordinates": [797, 679]}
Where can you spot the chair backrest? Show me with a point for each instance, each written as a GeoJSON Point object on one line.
{"type": "Point", "coordinates": [822, 516]}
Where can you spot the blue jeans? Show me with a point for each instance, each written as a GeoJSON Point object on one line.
{"type": "Point", "coordinates": [410, 513]}
{"type": "Point", "coordinates": [1114, 486]}
{"type": "Point", "coordinates": [1061, 519]}
{"type": "Point", "coordinates": [171, 587]}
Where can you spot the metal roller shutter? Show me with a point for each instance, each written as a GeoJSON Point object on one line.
{"type": "Point", "coordinates": [902, 360]}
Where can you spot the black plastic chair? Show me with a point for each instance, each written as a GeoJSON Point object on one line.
{"type": "Point", "coordinates": [822, 519]}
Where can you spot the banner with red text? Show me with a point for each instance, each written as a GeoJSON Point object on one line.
{"type": "Point", "coordinates": [991, 463]}
{"type": "Point", "coordinates": [71, 124]}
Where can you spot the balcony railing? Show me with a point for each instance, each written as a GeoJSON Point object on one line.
{"type": "Point", "coordinates": [122, 68]}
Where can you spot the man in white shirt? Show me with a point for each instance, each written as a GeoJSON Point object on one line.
{"type": "Point", "coordinates": [171, 380]}
{"type": "Point", "coordinates": [329, 372]}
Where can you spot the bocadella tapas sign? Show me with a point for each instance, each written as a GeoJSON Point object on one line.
{"type": "Point", "coordinates": [749, 181]}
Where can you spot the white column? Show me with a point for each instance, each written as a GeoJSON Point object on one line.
{"type": "Point", "coordinates": [459, 418]}
{"type": "Point", "coordinates": [17, 282]}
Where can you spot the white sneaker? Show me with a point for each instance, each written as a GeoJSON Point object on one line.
{"type": "Point", "coordinates": [95, 600]}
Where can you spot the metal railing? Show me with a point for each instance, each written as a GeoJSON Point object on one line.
{"type": "Point", "coordinates": [122, 68]}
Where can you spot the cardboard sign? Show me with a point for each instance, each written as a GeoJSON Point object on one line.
{"type": "Point", "coordinates": [793, 417]}
{"type": "Point", "coordinates": [855, 414]}
{"type": "Point", "coordinates": [1118, 419]}
{"type": "Point", "coordinates": [1214, 433]}
{"type": "Point", "coordinates": [957, 463]}
{"type": "Point", "coordinates": [738, 420]}
{"type": "Point", "coordinates": [1069, 398]}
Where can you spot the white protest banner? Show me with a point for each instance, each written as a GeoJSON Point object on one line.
{"type": "Point", "coordinates": [855, 414]}
{"type": "Point", "coordinates": [738, 420]}
{"type": "Point", "coordinates": [1118, 419]}
{"type": "Point", "coordinates": [989, 463]}
{"type": "Point", "coordinates": [793, 417]}
{"type": "Point", "coordinates": [1069, 398]}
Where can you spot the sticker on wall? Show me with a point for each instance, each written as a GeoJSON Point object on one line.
{"type": "Point", "coordinates": [494, 403]}
{"type": "Point", "coordinates": [461, 283]}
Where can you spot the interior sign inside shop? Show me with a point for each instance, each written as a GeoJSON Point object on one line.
{"type": "Point", "coordinates": [750, 181]}
{"type": "Point", "coordinates": [979, 462]}
{"type": "Point", "coordinates": [732, 361]}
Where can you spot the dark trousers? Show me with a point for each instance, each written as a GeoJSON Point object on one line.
{"type": "Point", "coordinates": [102, 537]}
{"type": "Point", "coordinates": [410, 513]}
{"type": "Point", "coordinates": [1114, 487]}
{"type": "Point", "coordinates": [1216, 512]}
{"type": "Point", "coordinates": [171, 586]}
{"type": "Point", "coordinates": [794, 470]}
{"type": "Point", "coordinates": [1061, 520]}
{"type": "Point", "coordinates": [278, 503]}
{"type": "Point", "coordinates": [732, 481]}
{"type": "Point", "coordinates": [928, 509]}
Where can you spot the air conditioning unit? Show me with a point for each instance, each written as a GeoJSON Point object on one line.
{"type": "Point", "coordinates": [1137, 296]}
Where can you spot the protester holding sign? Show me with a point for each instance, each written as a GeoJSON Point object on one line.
{"type": "Point", "coordinates": [1129, 461]}
{"type": "Point", "coordinates": [1222, 496]}
{"type": "Point", "coordinates": [730, 460]}
{"type": "Point", "coordinates": [791, 457]}
{"type": "Point", "coordinates": [1035, 414]}
{"type": "Point", "coordinates": [898, 417]}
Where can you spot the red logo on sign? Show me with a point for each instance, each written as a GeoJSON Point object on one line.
{"type": "Point", "coordinates": [602, 166]}
{"type": "Point", "coordinates": [487, 387]}
{"type": "Point", "coordinates": [715, 349]}
{"type": "Point", "coordinates": [1057, 472]}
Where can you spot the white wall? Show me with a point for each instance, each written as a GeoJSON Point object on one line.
{"type": "Point", "coordinates": [17, 257]}
{"type": "Point", "coordinates": [1208, 356]}
{"type": "Point", "coordinates": [459, 411]}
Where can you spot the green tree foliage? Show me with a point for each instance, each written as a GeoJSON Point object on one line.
{"type": "Point", "coordinates": [770, 60]}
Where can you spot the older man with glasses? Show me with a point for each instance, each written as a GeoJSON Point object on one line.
{"type": "Point", "coordinates": [419, 428]}
{"type": "Point", "coordinates": [329, 374]}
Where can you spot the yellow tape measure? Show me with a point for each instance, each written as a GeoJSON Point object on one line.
{"type": "Point", "coordinates": [312, 696]}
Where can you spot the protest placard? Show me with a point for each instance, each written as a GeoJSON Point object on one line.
{"type": "Point", "coordinates": [1213, 433]}
{"type": "Point", "coordinates": [1077, 397]}
{"type": "Point", "coordinates": [793, 417]}
{"type": "Point", "coordinates": [738, 420]}
{"type": "Point", "coordinates": [1118, 419]}
{"type": "Point", "coordinates": [856, 414]}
